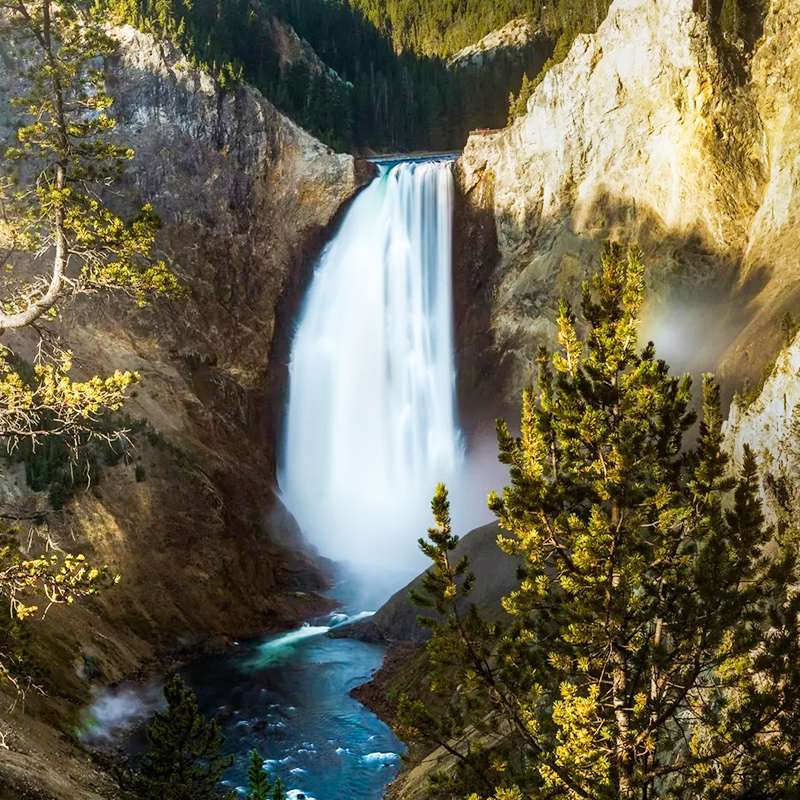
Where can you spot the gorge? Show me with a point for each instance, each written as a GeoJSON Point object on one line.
{"type": "Point", "coordinates": [283, 416]}
{"type": "Point", "coordinates": [371, 425]}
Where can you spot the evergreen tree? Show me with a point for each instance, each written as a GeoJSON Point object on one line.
{"type": "Point", "coordinates": [257, 778]}
{"type": "Point", "coordinates": [54, 222]}
{"type": "Point", "coordinates": [51, 192]}
{"type": "Point", "coordinates": [653, 647]}
{"type": "Point", "coordinates": [277, 791]}
{"type": "Point", "coordinates": [517, 106]}
{"type": "Point", "coordinates": [24, 584]}
{"type": "Point", "coordinates": [183, 761]}
{"type": "Point", "coordinates": [258, 785]}
{"type": "Point", "coordinates": [789, 328]}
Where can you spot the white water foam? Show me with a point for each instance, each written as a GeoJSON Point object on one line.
{"type": "Point", "coordinates": [379, 758]}
{"type": "Point", "coordinates": [371, 425]}
{"type": "Point", "coordinates": [280, 647]}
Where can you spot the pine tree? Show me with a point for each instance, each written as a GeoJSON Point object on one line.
{"type": "Point", "coordinates": [257, 778]}
{"type": "Point", "coordinates": [258, 785]}
{"type": "Point", "coordinates": [789, 328]}
{"type": "Point", "coordinates": [57, 216]}
{"type": "Point", "coordinates": [183, 761]}
{"type": "Point", "coordinates": [54, 223]}
{"type": "Point", "coordinates": [517, 106]}
{"type": "Point", "coordinates": [652, 649]}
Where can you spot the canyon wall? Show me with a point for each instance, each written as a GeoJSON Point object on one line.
{"type": "Point", "coordinates": [770, 264]}
{"type": "Point", "coordinates": [769, 425]}
{"type": "Point", "coordinates": [189, 520]}
{"type": "Point", "coordinates": [652, 130]}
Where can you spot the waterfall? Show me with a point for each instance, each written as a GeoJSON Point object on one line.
{"type": "Point", "coordinates": [371, 425]}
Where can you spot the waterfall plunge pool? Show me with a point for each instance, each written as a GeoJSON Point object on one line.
{"type": "Point", "coordinates": [287, 697]}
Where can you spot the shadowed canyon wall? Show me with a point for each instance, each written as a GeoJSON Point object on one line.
{"type": "Point", "coordinates": [204, 549]}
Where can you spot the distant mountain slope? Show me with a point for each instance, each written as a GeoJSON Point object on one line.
{"type": "Point", "coordinates": [512, 39]}
{"type": "Point", "coordinates": [442, 28]}
{"type": "Point", "coordinates": [388, 87]}
{"type": "Point", "coordinates": [383, 91]}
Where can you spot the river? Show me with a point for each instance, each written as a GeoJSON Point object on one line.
{"type": "Point", "coordinates": [286, 696]}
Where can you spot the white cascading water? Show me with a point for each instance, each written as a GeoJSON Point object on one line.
{"type": "Point", "coordinates": [371, 425]}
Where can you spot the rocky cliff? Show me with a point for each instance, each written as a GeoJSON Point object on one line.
{"type": "Point", "coordinates": [396, 619]}
{"type": "Point", "coordinates": [652, 130]}
{"type": "Point", "coordinates": [510, 41]}
{"type": "Point", "coordinates": [293, 50]}
{"type": "Point", "coordinates": [770, 426]}
{"type": "Point", "coordinates": [770, 264]}
{"type": "Point", "coordinates": [189, 520]}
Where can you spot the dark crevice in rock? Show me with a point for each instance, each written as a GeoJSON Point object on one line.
{"type": "Point", "coordinates": [481, 374]}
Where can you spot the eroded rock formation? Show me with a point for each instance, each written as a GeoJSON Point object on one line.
{"type": "Point", "coordinates": [769, 425]}
{"type": "Point", "coordinates": [204, 549]}
{"type": "Point", "coordinates": [770, 264]}
{"type": "Point", "coordinates": [652, 131]}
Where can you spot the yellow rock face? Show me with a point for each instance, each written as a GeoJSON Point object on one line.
{"type": "Point", "coordinates": [648, 132]}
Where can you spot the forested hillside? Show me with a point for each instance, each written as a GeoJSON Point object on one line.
{"type": "Point", "coordinates": [371, 98]}
{"type": "Point", "coordinates": [443, 27]}
{"type": "Point", "coordinates": [388, 87]}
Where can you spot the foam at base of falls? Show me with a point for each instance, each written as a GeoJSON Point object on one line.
{"type": "Point", "coordinates": [281, 647]}
{"type": "Point", "coordinates": [371, 425]}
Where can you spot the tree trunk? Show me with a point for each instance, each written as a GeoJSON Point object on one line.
{"type": "Point", "coordinates": [51, 295]}
{"type": "Point", "coordinates": [624, 755]}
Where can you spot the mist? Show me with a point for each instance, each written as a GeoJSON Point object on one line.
{"type": "Point", "coordinates": [692, 331]}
